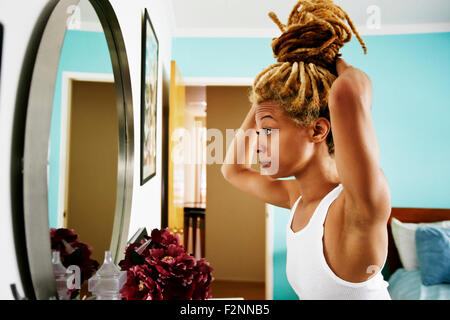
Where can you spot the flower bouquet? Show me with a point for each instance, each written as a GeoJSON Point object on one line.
{"type": "Point", "coordinates": [73, 252]}
{"type": "Point", "coordinates": [158, 268]}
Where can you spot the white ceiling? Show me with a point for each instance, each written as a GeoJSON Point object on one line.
{"type": "Point", "coordinates": [249, 17]}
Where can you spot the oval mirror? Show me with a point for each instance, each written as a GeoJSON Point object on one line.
{"type": "Point", "coordinates": [78, 154]}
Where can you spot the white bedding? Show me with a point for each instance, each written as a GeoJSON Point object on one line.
{"type": "Point", "coordinates": [407, 285]}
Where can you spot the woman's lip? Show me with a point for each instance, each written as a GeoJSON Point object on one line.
{"type": "Point", "coordinates": [265, 164]}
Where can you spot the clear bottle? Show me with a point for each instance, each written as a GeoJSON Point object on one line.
{"type": "Point", "coordinates": [107, 281]}
{"type": "Point", "coordinates": [61, 276]}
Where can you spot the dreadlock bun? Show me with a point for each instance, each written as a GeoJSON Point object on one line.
{"type": "Point", "coordinates": [313, 34]}
{"type": "Point", "coordinates": [306, 53]}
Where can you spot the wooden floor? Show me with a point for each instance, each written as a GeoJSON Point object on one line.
{"type": "Point", "coordinates": [235, 289]}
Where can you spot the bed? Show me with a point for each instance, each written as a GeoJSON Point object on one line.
{"type": "Point", "coordinates": [407, 284]}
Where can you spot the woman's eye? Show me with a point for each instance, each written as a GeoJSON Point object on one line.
{"type": "Point", "coordinates": [267, 131]}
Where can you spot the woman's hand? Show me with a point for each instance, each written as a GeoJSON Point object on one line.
{"type": "Point", "coordinates": [351, 85]}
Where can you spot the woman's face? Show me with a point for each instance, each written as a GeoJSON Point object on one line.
{"type": "Point", "coordinates": [283, 148]}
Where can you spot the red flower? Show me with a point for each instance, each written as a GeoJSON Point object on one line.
{"type": "Point", "coordinates": [172, 262]}
{"type": "Point", "coordinates": [167, 238]}
{"type": "Point", "coordinates": [203, 281]}
{"type": "Point", "coordinates": [163, 270]}
{"type": "Point", "coordinates": [58, 235]}
{"type": "Point", "coordinates": [140, 285]}
{"type": "Point", "coordinates": [130, 255]}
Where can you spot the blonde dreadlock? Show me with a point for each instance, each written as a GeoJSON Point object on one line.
{"type": "Point", "coordinates": [306, 53]}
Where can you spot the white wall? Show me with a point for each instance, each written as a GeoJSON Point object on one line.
{"type": "Point", "coordinates": [146, 206]}
{"type": "Point", "coordinates": [19, 18]}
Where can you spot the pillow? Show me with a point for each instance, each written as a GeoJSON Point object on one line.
{"type": "Point", "coordinates": [433, 253]}
{"type": "Point", "coordinates": [404, 239]}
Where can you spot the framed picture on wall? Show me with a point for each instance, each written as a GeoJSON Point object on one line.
{"type": "Point", "coordinates": [149, 82]}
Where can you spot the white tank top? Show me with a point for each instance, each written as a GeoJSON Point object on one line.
{"type": "Point", "coordinates": [307, 270]}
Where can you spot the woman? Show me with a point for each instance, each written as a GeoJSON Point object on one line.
{"type": "Point", "coordinates": [340, 198]}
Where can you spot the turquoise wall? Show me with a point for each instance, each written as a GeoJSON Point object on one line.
{"type": "Point", "coordinates": [411, 112]}
{"type": "Point", "coordinates": [82, 51]}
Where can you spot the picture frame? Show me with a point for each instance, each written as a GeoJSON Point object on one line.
{"type": "Point", "coordinates": [149, 89]}
{"type": "Point", "coordinates": [139, 235]}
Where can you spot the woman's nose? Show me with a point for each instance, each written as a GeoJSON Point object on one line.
{"type": "Point", "coordinates": [261, 148]}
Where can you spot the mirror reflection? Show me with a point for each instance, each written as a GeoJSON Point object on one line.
{"type": "Point", "coordinates": [83, 145]}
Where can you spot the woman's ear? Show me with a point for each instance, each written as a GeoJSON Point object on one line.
{"type": "Point", "coordinates": [320, 127]}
